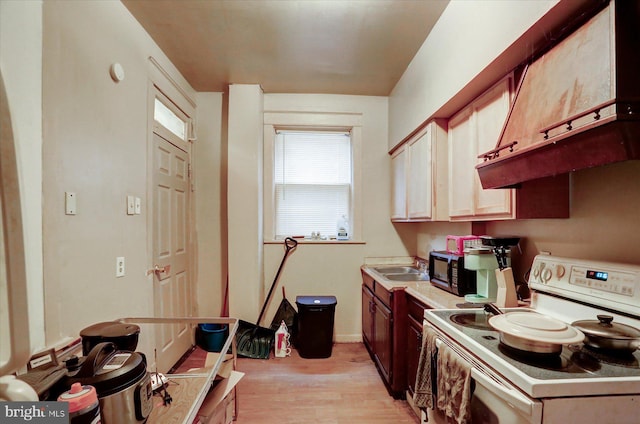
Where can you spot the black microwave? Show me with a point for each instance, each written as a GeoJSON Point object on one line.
{"type": "Point", "coordinates": [447, 271]}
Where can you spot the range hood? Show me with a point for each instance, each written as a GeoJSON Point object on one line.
{"type": "Point", "coordinates": [577, 106]}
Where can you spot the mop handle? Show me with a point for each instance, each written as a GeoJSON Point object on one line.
{"type": "Point", "coordinates": [289, 244]}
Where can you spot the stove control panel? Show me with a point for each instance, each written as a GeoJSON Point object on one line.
{"type": "Point", "coordinates": [605, 284]}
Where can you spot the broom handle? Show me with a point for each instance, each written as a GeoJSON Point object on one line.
{"type": "Point", "coordinates": [289, 244]}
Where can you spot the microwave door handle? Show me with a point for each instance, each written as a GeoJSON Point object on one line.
{"type": "Point", "coordinates": [519, 401]}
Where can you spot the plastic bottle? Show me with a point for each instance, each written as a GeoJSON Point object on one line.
{"type": "Point", "coordinates": [283, 346]}
{"type": "Point", "coordinates": [84, 407]}
{"type": "Point", "coordinates": [343, 229]}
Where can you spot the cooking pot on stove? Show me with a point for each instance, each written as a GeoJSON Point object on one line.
{"type": "Point", "coordinates": [532, 332]}
{"type": "Point", "coordinates": [121, 382]}
{"type": "Point", "coordinates": [605, 334]}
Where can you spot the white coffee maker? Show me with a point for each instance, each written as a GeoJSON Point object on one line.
{"type": "Point", "coordinates": [494, 277]}
{"type": "Point", "coordinates": [484, 262]}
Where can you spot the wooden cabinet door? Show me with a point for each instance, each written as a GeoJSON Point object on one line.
{"type": "Point", "coordinates": [462, 157]}
{"type": "Point", "coordinates": [367, 317]}
{"type": "Point", "coordinates": [414, 346]}
{"type": "Point", "coordinates": [383, 337]}
{"type": "Point", "coordinates": [490, 114]}
{"type": "Point", "coordinates": [419, 180]}
{"type": "Point", "coordinates": [474, 130]}
{"type": "Point", "coordinates": [399, 184]}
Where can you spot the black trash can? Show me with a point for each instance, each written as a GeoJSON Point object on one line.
{"type": "Point", "coordinates": [315, 326]}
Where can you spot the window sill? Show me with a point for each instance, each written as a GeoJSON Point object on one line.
{"type": "Point", "coordinates": [310, 241]}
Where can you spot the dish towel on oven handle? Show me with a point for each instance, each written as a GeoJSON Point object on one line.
{"type": "Point", "coordinates": [454, 386]}
{"type": "Point", "coordinates": [425, 387]}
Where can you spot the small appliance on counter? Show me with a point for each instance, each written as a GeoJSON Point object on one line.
{"type": "Point", "coordinates": [492, 263]}
{"type": "Point", "coordinates": [459, 244]}
{"type": "Point", "coordinates": [483, 263]}
{"type": "Point", "coordinates": [121, 381]}
{"type": "Point", "coordinates": [447, 271]}
{"type": "Point", "coordinates": [506, 295]}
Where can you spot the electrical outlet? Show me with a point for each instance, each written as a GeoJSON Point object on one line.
{"type": "Point", "coordinates": [120, 266]}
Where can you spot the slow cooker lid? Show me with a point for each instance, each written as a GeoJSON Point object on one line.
{"type": "Point", "coordinates": [110, 329]}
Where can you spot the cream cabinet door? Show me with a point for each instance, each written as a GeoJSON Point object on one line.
{"type": "Point", "coordinates": [490, 113]}
{"type": "Point", "coordinates": [419, 180]}
{"type": "Point", "coordinates": [462, 156]}
{"type": "Point", "coordinates": [399, 184]}
{"type": "Point", "coordinates": [474, 130]}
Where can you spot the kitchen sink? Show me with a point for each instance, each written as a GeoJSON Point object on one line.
{"type": "Point", "coordinates": [407, 277]}
{"type": "Point", "coordinates": [397, 270]}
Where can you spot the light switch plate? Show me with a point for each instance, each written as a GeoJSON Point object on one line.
{"type": "Point", "coordinates": [138, 206]}
{"type": "Point", "coordinates": [131, 205]}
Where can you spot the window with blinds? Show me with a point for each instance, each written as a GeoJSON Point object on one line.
{"type": "Point", "coordinates": [313, 182]}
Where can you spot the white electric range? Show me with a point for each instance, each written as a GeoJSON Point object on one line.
{"type": "Point", "coordinates": [581, 383]}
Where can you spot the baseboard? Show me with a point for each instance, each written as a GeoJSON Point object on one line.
{"type": "Point", "coordinates": [348, 338]}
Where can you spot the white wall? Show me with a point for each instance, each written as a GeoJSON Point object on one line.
{"type": "Point", "coordinates": [96, 137]}
{"type": "Point", "coordinates": [21, 64]}
{"type": "Point", "coordinates": [467, 38]}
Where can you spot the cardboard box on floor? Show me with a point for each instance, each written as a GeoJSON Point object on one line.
{"type": "Point", "coordinates": [219, 405]}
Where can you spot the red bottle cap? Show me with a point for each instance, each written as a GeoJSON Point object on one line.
{"type": "Point", "coordinates": [79, 397]}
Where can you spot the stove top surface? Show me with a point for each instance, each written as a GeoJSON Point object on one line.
{"type": "Point", "coordinates": [540, 374]}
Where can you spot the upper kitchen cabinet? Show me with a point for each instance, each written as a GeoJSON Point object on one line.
{"type": "Point", "coordinates": [470, 132]}
{"type": "Point", "coordinates": [419, 190]}
{"type": "Point", "coordinates": [477, 129]}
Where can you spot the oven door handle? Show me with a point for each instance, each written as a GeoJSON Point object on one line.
{"type": "Point", "coordinates": [519, 401]}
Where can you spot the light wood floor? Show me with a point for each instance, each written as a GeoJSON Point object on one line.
{"type": "Point", "coordinates": [344, 388]}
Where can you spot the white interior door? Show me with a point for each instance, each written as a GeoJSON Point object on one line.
{"type": "Point", "coordinates": [172, 279]}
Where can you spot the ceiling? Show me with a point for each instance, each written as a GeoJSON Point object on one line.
{"type": "Point", "coordinates": [290, 46]}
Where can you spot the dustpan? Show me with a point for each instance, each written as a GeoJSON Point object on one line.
{"type": "Point", "coordinates": [254, 341]}
{"type": "Point", "coordinates": [287, 313]}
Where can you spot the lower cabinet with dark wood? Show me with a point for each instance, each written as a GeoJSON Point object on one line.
{"type": "Point", "coordinates": [415, 316]}
{"type": "Point", "coordinates": [384, 332]}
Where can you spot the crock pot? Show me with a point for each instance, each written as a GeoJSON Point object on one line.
{"type": "Point", "coordinates": [121, 381]}
{"type": "Point", "coordinates": [125, 336]}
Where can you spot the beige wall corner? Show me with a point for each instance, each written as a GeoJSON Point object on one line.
{"type": "Point", "coordinates": [244, 200]}
{"type": "Point", "coordinates": [210, 188]}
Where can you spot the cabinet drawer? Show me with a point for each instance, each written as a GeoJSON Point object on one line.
{"type": "Point", "coordinates": [383, 295]}
{"type": "Point", "coordinates": [416, 308]}
{"type": "Point", "coordinates": [368, 281]}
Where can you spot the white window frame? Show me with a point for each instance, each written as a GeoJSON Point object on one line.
{"type": "Point", "coordinates": [275, 121]}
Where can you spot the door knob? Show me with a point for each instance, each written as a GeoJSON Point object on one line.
{"type": "Point", "coordinates": [157, 269]}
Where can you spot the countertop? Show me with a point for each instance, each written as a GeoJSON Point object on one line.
{"type": "Point", "coordinates": [423, 291]}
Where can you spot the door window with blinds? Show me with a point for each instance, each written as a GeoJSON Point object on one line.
{"type": "Point", "coordinates": [313, 180]}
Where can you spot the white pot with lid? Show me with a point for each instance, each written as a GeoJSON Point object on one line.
{"type": "Point", "coordinates": [533, 332]}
